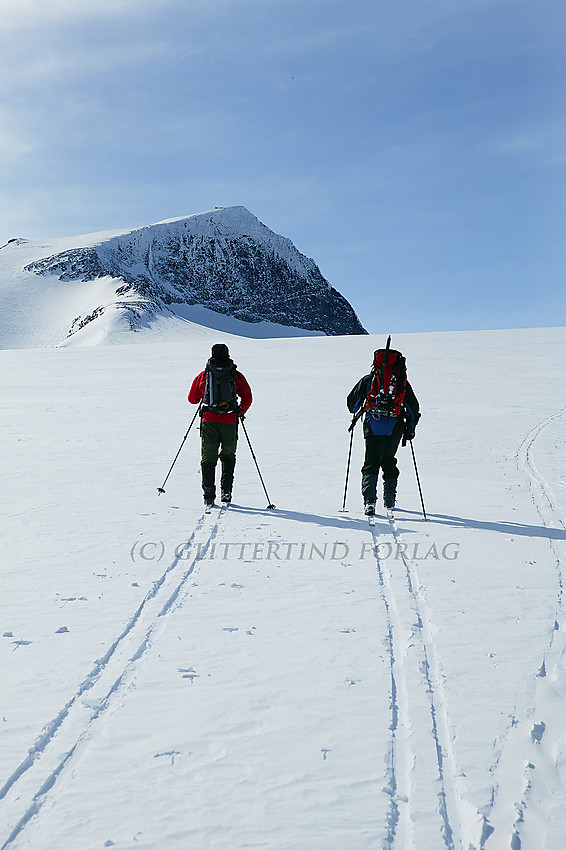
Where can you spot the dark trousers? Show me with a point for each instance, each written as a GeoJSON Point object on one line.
{"type": "Point", "coordinates": [380, 455]}
{"type": "Point", "coordinates": [218, 440]}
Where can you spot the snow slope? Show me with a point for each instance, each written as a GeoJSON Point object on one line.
{"type": "Point", "coordinates": [283, 679]}
{"type": "Point", "coordinates": [223, 268]}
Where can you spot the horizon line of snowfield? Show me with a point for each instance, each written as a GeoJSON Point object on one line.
{"type": "Point", "coordinates": [272, 550]}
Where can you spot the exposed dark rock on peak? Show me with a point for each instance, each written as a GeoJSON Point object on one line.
{"type": "Point", "coordinates": [225, 260]}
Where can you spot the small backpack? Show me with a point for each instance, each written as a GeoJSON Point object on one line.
{"type": "Point", "coordinates": [386, 391]}
{"type": "Point", "coordinates": [220, 388]}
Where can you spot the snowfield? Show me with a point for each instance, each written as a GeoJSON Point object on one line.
{"type": "Point", "coordinates": [287, 679]}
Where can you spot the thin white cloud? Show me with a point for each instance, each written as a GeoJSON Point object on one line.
{"type": "Point", "coordinates": [545, 143]}
{"type": "Point", "coordinates": [69, 41]}
{"type": "Point", "coordinates": [523, 142]}
{"type": "Point", "coordinates": [45, 64]}
{"type": "Point", "coordinates": [34, 13]}
{"type": "Point", "coordinates": [18, 142]}
{"type": "Point", "coordinates": [14, 145]}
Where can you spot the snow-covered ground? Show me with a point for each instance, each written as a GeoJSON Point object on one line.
{"type": "Point", "coordinates": [288, 679]}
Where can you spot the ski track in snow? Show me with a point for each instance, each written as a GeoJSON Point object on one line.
{"type": "Point", "coordinates": [426, 766]}
{"type": "Point", "coordinates": [25, 791]}
{"type": "Point", "coordinates": [526, 767]}
{"type": "Point", "coordinates": [421, 767]}
{"type": "Point", "coordinates": [400, 758]}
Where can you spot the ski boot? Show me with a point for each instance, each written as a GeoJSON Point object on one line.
{"type": "Point", "coordinates": [208, 485]}
{"type": "Point", "coordinates": [227, 478]}
{"type": "Point", "coordinates": [369, 509]}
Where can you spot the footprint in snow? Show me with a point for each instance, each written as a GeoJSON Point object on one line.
{"type": "Point", "coordinates": [188, 673]}
{"type": "Point", "coordinates": [18, 643]}
{"type": "Point", "coordinates": [170, 753]}
{"type": "Point", "coordinates": [230, 629]}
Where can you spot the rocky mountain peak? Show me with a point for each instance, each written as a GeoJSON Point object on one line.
{"type": "Point", "coordinates": [225, 260]}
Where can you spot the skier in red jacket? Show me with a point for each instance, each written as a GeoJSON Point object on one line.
{"type": "Point", "coordinates": [219, 386]}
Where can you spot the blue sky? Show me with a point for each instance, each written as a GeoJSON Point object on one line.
{"type": "Point", "coordinates": [416, 150]}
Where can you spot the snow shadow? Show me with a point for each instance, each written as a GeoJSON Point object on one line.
{"type": "Point", "coordinates": [343, 521]}
{"type": "Point", "coordinates": [508, 528]}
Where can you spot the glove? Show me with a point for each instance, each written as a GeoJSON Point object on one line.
{"type": "Point", "coordinates": [409, 433]}
{"type": "Point", "coordinates": [242, 417]}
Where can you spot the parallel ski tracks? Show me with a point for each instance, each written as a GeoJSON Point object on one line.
{"type": "Point", "coordinates": [417, 702]}
{"type": "Point", "coordinates": [506, 823]}
{"type": "Point", "coordinates": [400, 757]}
{"type": "Point", "coordinates": [411, 647]}
{"type": "Point", "coordinates": [27, 788]}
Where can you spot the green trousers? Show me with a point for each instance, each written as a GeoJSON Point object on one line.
{"type": "Point", "coordinates": [218, 440]}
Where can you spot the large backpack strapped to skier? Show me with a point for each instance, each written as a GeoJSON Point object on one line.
{"type": "Point", "coordinates": [220, 388]}
{"type": "Point", "coordinates": [386, 391]}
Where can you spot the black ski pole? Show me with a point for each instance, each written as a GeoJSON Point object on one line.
{"type": "Point", "coordinates": [270, 505]}
{"type": "Point", "coordinates": [353, 424]}
{"type": "Point", "coordinates": [418, 479]}
{"type": "Point", "coordinates": [343, 508]}
{"type": "Point", "coordinates": [161, 489]}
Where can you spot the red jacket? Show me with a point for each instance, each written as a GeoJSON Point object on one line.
{"type": "Point", "coordinates": [243, 390]}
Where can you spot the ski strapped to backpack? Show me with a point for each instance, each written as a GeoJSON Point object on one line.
{"type": "Point", "coordinates": [386, 391]}
{"type": "Point", "coordinates": [220, 388]}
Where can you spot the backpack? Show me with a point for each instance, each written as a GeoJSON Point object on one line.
{"type": "Point", "coordinates": [220, 388]}
{"type": "Point", "coordinates": [386, 390]}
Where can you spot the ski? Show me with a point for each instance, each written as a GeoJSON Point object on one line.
{"type": "Point", "coordinates": [223, 507]}
{"type": "Point", "coordinates": [371, 518]}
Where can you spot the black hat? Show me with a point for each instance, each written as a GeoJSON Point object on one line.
{"type": "Point", "coordinates": [220, 352]}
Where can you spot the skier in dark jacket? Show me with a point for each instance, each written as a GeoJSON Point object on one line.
{"type": "Point", "coordinates": [389, 415]}
{"type": "Point", "coordinates": [219, 385]}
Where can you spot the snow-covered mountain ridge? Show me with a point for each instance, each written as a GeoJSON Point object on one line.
{"type": "Point", "coordinates": [225, 261]}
